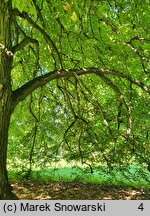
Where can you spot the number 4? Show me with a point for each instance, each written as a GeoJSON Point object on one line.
{"type": "Point", "coordinates": [141, 207]}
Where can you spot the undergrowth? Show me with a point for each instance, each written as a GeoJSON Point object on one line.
{"type": "Point", "coordinates": [132, 176]}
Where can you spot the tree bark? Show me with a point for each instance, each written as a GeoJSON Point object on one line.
{"type": "Point", "coordinates": [5, 95]}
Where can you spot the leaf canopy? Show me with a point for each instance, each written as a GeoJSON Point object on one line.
{"type": "Point", "coordinates": [99, 107]}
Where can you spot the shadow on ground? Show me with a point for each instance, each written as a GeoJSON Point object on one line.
{"type": "Point", "coordinates": [33, 190]}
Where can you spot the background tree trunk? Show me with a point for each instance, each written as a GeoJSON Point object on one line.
{"type": "Point", "coordinates": [5, 94]}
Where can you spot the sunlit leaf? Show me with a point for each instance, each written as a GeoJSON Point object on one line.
{"type": "Point", "coordinates": [74, 16]}
{"type": "Point", "coordinates": [67, 6]}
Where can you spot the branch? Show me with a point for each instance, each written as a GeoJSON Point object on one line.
{"type": "Point", "coordinates": [115, 89]}
{"type": "Point", "coordinates": [24, 43]}
{"type": "Point", "coordinates": [46, 36]}
{"type": "Point", "coordinates": [136, 82]}
{"type": "Point", "coordinates": [22, 92]}
{"type": "Point", "coordinates": [39, 14]}
{"type": "Point", "coordinates": [96, 102]}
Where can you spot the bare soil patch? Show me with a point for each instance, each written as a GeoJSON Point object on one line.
{"type": "Point", "coordinates": [33, 190]}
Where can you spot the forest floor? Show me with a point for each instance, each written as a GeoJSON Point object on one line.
{"type": "Point", "coordinates": [35, 190]}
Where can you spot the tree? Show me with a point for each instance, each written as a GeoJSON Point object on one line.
{"type": "Point", "coordinates": [74, 43]}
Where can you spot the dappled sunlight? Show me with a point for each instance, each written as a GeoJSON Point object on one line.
{"type": "Point", "coordinates": [74, 191]}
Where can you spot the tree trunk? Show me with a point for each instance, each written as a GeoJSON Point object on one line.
{"type": "Point", "coordinates": [6, 59]}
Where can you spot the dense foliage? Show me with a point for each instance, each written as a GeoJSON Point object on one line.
{"type": "Point", "coordinates": [96, 118]}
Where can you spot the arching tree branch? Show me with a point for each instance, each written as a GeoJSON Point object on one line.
{"type": "Point", "coordinates": [22, 92]}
